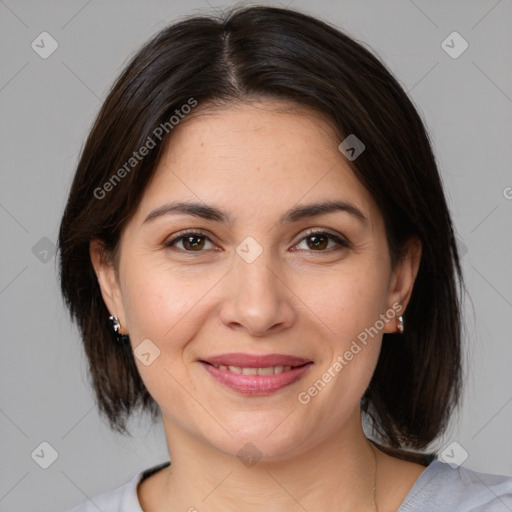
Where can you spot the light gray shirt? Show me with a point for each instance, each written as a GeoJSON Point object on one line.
{"type": "Point", "coordinates": [440, 488]}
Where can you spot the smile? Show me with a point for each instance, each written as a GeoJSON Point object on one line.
{"type": "Point", "coordinates": [256, 381]}
{"type": "Point", "coordinates": [268, 370]}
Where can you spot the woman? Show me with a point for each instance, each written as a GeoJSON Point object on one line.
{"type": "Point", "coordinates": [257, 247]}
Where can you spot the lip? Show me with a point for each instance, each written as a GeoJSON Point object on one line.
{"type": "Point", "coordinates": [256, 384]}
{"type": "Point", "coordinates": [255, 361]}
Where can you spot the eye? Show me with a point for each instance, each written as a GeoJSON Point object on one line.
{"type": "Point", "coordinates": [319, 241]}
{"type": "Point", "coordinates": [192, 241]}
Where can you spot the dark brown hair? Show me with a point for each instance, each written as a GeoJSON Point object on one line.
{"type": "Point", "coordinates": [274, 53]}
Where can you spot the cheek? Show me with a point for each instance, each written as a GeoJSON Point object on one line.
{"type": "Point", "coordinates": [160, 301]}
{"type": "Point", "coordinates": [164, 310]}
{"type": "Point", "coordinates": [168, 307]}
{"type": "Point", "coordinates": [347, 300]}
{"type": "Point", "coordinates": [348, 360]}
{"type": "Point", "coordinates": [349, 304]}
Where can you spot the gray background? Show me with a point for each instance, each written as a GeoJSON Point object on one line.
{"type": "Point", "coordinates": [47, 107]}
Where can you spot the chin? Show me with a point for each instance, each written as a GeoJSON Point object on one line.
{"type": "Point", "coordinates": [259, 441]}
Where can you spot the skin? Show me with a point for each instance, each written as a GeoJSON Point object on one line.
{"type": "Point", "coordinates": [255, 162]}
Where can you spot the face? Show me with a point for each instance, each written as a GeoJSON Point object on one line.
{"type": "Point", "coordinates": [250, 271]}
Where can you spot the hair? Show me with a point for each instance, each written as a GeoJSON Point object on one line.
{"type": "Point", "coordinates": [275, 54]}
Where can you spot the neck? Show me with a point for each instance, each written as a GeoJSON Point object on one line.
{"type": "Point", "coordinates": [337, 474]}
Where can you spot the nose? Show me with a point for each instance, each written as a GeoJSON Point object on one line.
{"type": "Point", "coordinates": [257, 299]}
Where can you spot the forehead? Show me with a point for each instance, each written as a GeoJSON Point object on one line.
{"type": "Point", "coordinates": [260, 157]}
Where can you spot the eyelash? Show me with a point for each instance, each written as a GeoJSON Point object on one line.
{"type": "Point", "coordinates": [340, 241]}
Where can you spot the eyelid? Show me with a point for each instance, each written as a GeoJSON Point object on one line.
{"type": "Point", "coordinates": [324, 231]}
{"type": "Point", "coordinates": [187, 232]}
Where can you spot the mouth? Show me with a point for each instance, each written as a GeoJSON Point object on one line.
{"type": "Point", "coordinates": [266, 370]}
{"type": "Point", "coordinates": [256, 375]}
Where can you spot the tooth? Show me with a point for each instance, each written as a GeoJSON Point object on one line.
{"type": "Point", "coordinates": [267, 370]}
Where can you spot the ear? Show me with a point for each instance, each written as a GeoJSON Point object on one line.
{"type": "Point", "coordinates": [402, 279]}
{"type": "Point", "coordinates": [108, 281]}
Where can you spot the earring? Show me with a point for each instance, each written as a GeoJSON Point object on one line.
{"type": "Point", "coordinates": [116, 329]}
{"type": "Point", "coordinates": [400, 324]}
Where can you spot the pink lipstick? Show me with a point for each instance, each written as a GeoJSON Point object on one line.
{"type": "Point", "coordinates": [256, 375]}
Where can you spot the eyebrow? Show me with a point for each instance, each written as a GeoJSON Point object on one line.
{"type": "Point", "coordinates": [212, 213]}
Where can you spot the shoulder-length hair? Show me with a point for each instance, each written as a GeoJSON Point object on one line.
{"type": "Point", "coordinates": [280, 54]}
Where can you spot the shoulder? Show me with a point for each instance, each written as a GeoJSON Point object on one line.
{"type": "Point", "coordinates": [443, 487]}
{"type": "Point", "coordinates": [122, 499]}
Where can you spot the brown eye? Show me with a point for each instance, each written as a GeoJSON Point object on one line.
{"type": "Point", "coordinates": [319, 241]}
{"type": "Point", "coordinates": [191, 242]}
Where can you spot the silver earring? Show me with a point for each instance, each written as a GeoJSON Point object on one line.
{"type": "Point", "coordinates": [115, 326]}
{"type": "Point", "coordinates": [400, 324]}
